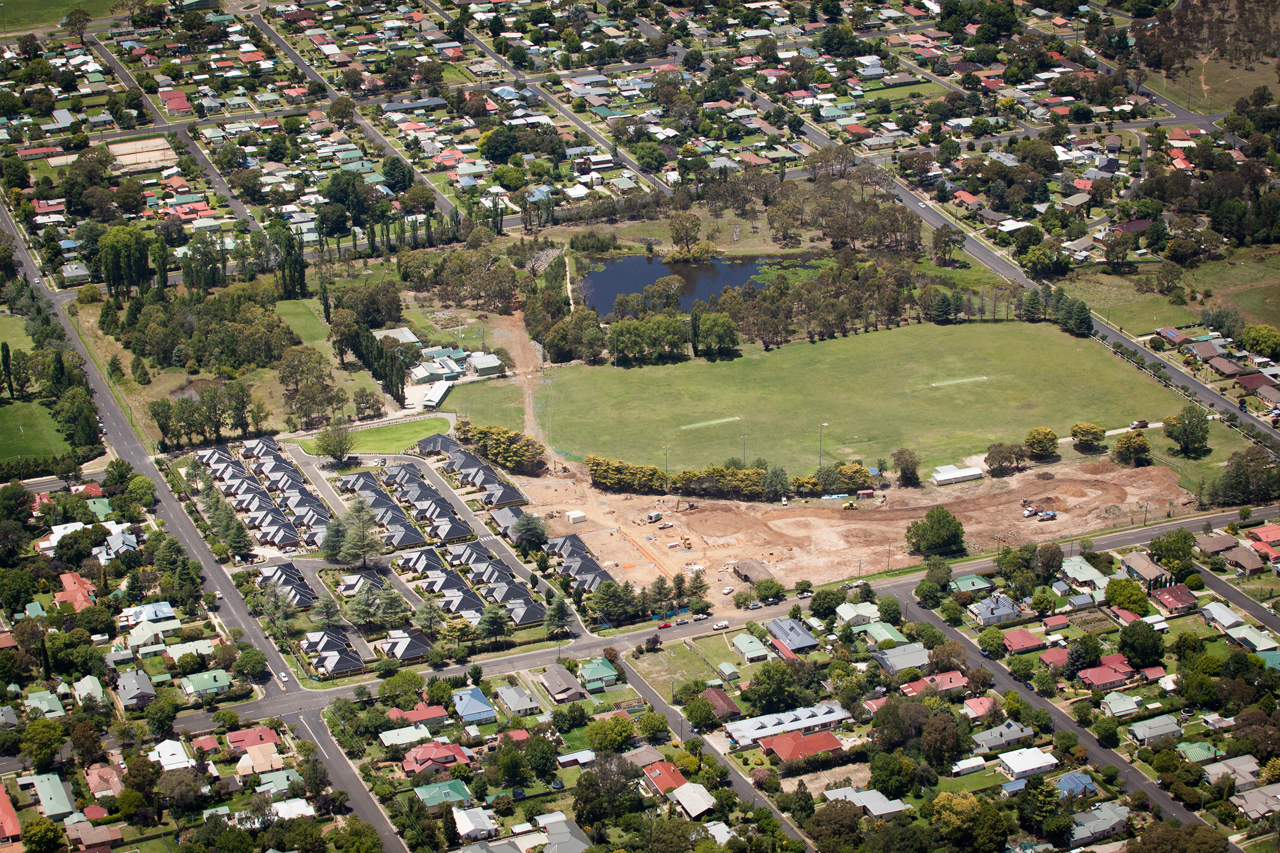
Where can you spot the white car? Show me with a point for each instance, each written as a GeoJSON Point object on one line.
{"type": "Point", "coordinates": [284, 678]}
{"type": "Point", "coordinates": [804, 595]}
{"type": "Point", "coordinates": [728, 590]}
{"type": "Point", "coordinates": [922, 204]}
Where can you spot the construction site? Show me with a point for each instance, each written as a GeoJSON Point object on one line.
{"type": "Point", "coordinates": [639, 537]}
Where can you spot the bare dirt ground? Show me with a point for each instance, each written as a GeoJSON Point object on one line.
{"type": "Point", "coordinates": [820, 542]}
{"type": "Point", "coordinates": [854, 775]}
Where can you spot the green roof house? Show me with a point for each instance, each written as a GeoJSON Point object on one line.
{"type": "Point", "coordinates": [970, 583]}
{"type": "Point", "coordinates": [453, 791]}
{"type": "Point", "coordinates": [728, 671]}
{"type": "Point", "coordinates": [881, 631]}
{"type": "Point", "coordinates": [597, 674]}
{"type": "Point", "coordinates": [1199, 753]}
{"type": "Point", "coordinates": [89, 687]}
{"type": "Point", "coordinates": [209, 683]}
{"type": "Point", "coordinates": [100, 507]}
{"type": "Point", "coordinates": [51, 792]}
{"type": "Point", "coordinates": [277, 782]}
{"type": "Point", "coordinates": [750, 648]}
{"type": "Point", "coordinates": [35, 609]}
{"type": "Point", "coordinates": [49, 706]}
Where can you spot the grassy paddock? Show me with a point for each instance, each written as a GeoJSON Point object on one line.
{"type": "Point", "coordinates": [498, 402]}
{"type": "Point", "coordinates": [1116, 299]}
{"type": "Point", "coordinates": [28, 429]}
{"type": "Point", "coordinates": [875, 390]}
{"type": "Point", "coordinates": [393, 438]}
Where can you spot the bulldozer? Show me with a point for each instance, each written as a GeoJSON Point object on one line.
{"type": "Point", "coordinates": [686, 541]}
{"type": "Point", "coordinates": [848, 505]}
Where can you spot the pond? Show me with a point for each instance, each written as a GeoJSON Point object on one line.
{"type": "Point", "coordinates": [192, 389]}
{"type": "Point", "coordinates": [631, 274]}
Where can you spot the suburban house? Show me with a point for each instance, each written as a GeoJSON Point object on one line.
{"type": "Point", "coordinates": [1101, 821]}
{"type": "Point", "coordinates": [212, 683]}
{"type": "Point", "coordinates": [561, 685]}
{"type": "Point", "coordinates": [793, 745]}
{"type": "Point", "coordinates": [1120, 705]}
{"type": "Point", "coordinates": [135, 690]}
{"type": "Point", "coordinates": [519, 701]}
{"type": "Point", "coordinates": [471, 706]}
{"type": "Point", "coordinates": [1140, 567]}
{"type": "Point", "coordinates": [820, 717]}
{"type": "Point", "coordinates": [946, 683]}
{"type": "Point", "coordinates": [597, 674]}
{"type": "Point", "coordinates": [871, 801]}
{"type": "Point", "coordinates": [450, 792]}
{"type": "Point", "coordinates": [725, 708]}
{"type": "Point", "coordinates": [1218, 615]}
{"type": "Point", "coordinates": [1021, 640]}
{"type": "Point", "coordinates": [1146, 732]}
{"type": "Point", "coordinates": [1004, 735]}
{"type": "Point", "coordinates": [791, 635]}
{"type": "Point", "coordinates": [975, 584]}
{"type": "Point", "coordinates": [1176, 599]}
{"type": "Point", "coordinates": [903, 657]}
{"type": "Point", "coordinates": [995, 610]}
{"type": "Point", "coordinates": [1021, 763]}
{"type": "Point", "coordinates": [1105, 676]}
{"type": "Point", "coordinates": [1243, 770]}
{"type": "Point", "coordinates": [663, 776]}
{"type": "Point", "coordinates": [750, 648]}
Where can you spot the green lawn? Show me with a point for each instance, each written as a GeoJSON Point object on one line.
{"type": "Point", "coordinates": [499, 402]}
{"type": "Point", "coordinates": [972, 781]}
{"type": "Point", "coordinates": [303, 320]}
{"type": "Point", "coordinates": [28, 429]}
{"type": "Point", "coordinates": [27, 14]}
{"type": "Point", "coordinates": [392, 438]}
{"type": "Point", "coordinates": [1222, 443]}
{"type": "Point", "coordinates": [877, 391]}
{"type": "Point", "coordinates": [12, 332]}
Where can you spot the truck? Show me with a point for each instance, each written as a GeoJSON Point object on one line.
{"type": "Point", "coordinates": [720, 626]}
{"type": "Point", "coordinates": [1138, 425]}
{"type": "Point", "coordinates": [653, 517]}
{"type": "Point", "coordinates": [1048, 515]}
{"type": "Point", "coordinates": [1031, 510]}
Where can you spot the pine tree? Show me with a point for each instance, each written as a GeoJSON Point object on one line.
{"type": "Point", "coordinates": [139, 370]}
{"type": "Point", "coordinates": [237, 538]}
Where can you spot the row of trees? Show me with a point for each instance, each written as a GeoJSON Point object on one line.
{"type": "Point", "coordinates": [507, 448]}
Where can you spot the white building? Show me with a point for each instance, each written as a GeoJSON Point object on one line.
{"type": "Point", "coordinates": [1021, 763]}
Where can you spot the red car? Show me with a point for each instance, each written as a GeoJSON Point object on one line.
{"type": "Point", "coordinates": [665, 625]}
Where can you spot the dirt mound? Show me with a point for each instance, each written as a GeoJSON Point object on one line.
{"type": "Point", "coordinates": [1098, 468]}
{"type": "Point", "coordinates": [1053, 503]}
{"type": "Point", "coordinates": [1071, 492]}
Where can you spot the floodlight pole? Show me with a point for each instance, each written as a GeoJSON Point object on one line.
{"type": "Point", "coordinates": [820, 428]}
{"type": "Point", "coordinates": [666, 459]}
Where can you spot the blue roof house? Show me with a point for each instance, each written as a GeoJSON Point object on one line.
{"type": "Point", "coordinates": [472, 707]}
{"type": "Point", "coordinates": [1076, 783]}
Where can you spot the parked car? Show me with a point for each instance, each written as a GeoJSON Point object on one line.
{"type": "Point", "coordinates": [1138, 425]}
{"type": "Point", "coordinates": [664, 525]}
{"type": "Point", "coordinates": [720, 626]}
{"type": "Point", "coordinates": [682, 621]}
{"type": "Point", "coordinates": [755, 605]}
{"type": "Point", "coordinates": [805, 595]}
{"type": "Point", "coordinates": [700, 617]}
{"type": "Point", "coordinates": [771, 601]}
{"type": "Point", "coordinates": [728, 590]}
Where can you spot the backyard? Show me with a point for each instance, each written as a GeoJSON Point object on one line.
{"type": "Point", "coordinates": [917, 386]}
{"type": "Point", "coordinates": [392, 438]}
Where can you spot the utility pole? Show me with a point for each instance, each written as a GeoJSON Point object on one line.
{"type": "Point", "coordinates": [744, 451]}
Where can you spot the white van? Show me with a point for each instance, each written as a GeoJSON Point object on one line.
{"type": "Point", "coordinates": [720, 626]}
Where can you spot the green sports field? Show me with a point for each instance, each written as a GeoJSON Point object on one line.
{"type": "Point", "coordinates": [28, 429]}
{"type": "Point", "coordinates": [945, 391]}
{"type": "Point", "coordinates": [27, 14]}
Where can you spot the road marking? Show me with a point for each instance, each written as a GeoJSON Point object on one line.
{"type": "Point", "coordinates": [314, 739]}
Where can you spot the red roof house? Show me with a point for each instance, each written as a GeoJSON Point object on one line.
{"type": "Point", "coordinates": [245, 738]}
{"type": "Point", "coordinates": [662, 776]}
{"type": "Point", "coordinates": [1054, 657]}
{"type": "Point", "coordinates": [946, 682]}
{"type": "Point", "coordinates": [421, 713]}
{"type": "Point", "coordinates": [1057, 623]}
{"type": "Point", "coordinates": [435, 756]}
{"type": "Point", "coordinates": [1269, 533]}
{"type": "Point", "coordinates": [793, 745]}
{"type": "Point", "coordinates": [76, 591]}
{"type": "Point", "coordinates": [1021, 640]}
{"type": "Point", "coordinates": [1104, 677]}
{"type": "Point", "coordinates": [90, 489]}
{"type": "Point", "coordinates": [10, 829]}
{"type": "Point", "coordinates": [1176, 599]}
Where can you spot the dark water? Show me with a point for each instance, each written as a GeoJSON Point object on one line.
{"type": "Point", "coordinates": [192, 389]}
{"type": "Point", "coordinates": [633, 273]}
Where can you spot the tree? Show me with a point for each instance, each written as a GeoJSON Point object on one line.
{"type": "Point", "coordinates": [76, 22]}
{"type": "Point", "coordinates": [252, 663]}
{"type": "Point", "coordinates": [1107, 729]}
{"type": "Point", "coordinates": [41, 741]}
{"type": "Point", "coordinates": [928, 594]}
{"type": "Point", "coordinates": [685, 228]}
{"type": "Point", "coordinates": [946, 241]}
{"type": "Point", "coordinates": [825, 601]}
{"type": "Point", "coordinates": [890, 610]}
{"type": "Point", "coordinates": [336, 441]}
{"type": "Point", "coordinates": [773, 689]}
{"type": "Point", "coordinates": [836, 827]}
{"type": "Point", "coordinates": [701, 713]}
{"type": "Point", "coordinates": [529, 532]}
{"type": "Point", "coordinates": [360, 539]}
{"type": "Point", "coordinates": [1041, 441]}
{"type": "Point", "coordinates": [652, 725]}
{"type": "Point", "coordinates": [1189, 429]}
{"type": "Point", "coordinates": [610, 734]}
{"type": "Point", "coordinates": [1127, 594]}
{"type": "Point", "coordinates": [939, 533]}
{"type": "Point", "coordinates": [991, 641]}
{"type": "Point", "coordinates": [1087, 436]}
{"type": "Point", "coordinates": [1141, 644]}
{"type": "Point", "coordinates": [160, 716]}
{"type": "Point", "coordinates": [41, 835]}
{"type": "Point", "coordinates": [325, 612]}
{"type": "Point", "coordinates": [1132, 448]}
{"type": "Point", "coordinates": [341, 111]}
{"type": "Point", "coordinates": [907, 464]}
